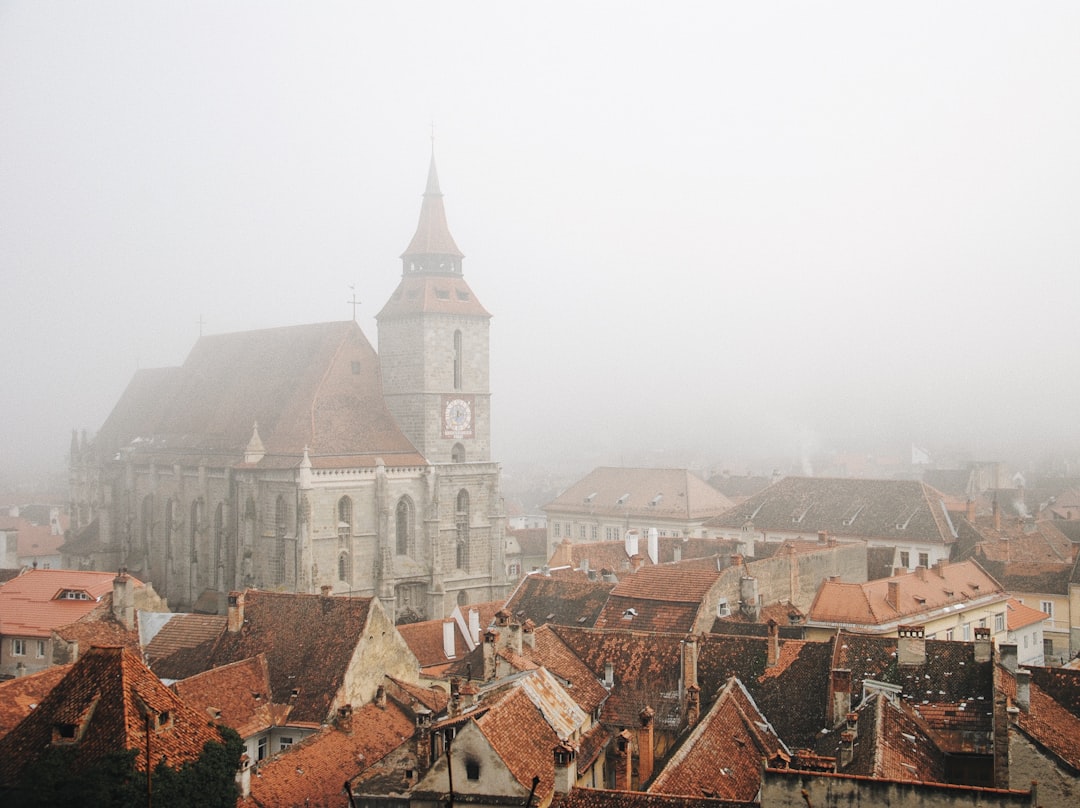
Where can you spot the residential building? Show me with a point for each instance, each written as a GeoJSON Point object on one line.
{"type": "Point", "coordinates": [948, 602]}
{"type": "Point", "coordinates": [1025, 630]}
{"type": "Point", "coordinates": [295, 458]}
{"type": "Point", "coordinates": [908, 516]}
{"type": "Point", "coordinates": [610, 501]}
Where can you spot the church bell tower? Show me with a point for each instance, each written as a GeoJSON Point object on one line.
{"type": "Point", "coordinates": [433, 345]}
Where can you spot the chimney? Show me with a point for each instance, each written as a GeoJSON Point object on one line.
{"type": "Point", "coordinates": [841, 694]}
{"type": "Point", "coordinates": [631, 543]}
{"type": "Point", "coordinates": [1023, 689]}
{"type": "Point", "coordinates": [474, 626]}
{"type": "Point", "coordinates": [847, 747]}
{"type": "Point", "coordinates": [748, 594]}
{"type": "Point", "coordinates": [654, 546]}
{"type": "Point", "coordinates": [689, 661]}
{"type": "Point", "coordinates": [423, 739]}
{"type": "Point", "coordinates": [1001, 741]}
{"type": "Point", "coordinates": [380, 696]}
{"type": "Point", "coordinates": [528, 634]}
{"type": "Point", "coordinates": [453, 706]}
{"type": "Point", "coordinates": [920, 573]}
{"type": "Point", "coordinates": [489, 655]}
{"type": "Point", "coordinates": [609, 675]}
{"type": "Point", "coordinates": [911, 645]}
{"type": "Point", "coordinates": [513, 639]}
{"type": "Point", "coordinates": [564, 554]}
{"type": "Point", "coordinates": [468, 693]}
{"type": "Point", "coordinates": [676, 551]}
{"type": "Point", "coordinates": [344, 719]}
{"type": "Point", "coordinates": [236, 611]}
{"type": "Point", "coordinates": [449, 647]}
{"type": "Point", "coordinates": [693, 705]}
{"type": "Point", "coordinates": [1007, 656]}
{"type": "Point", "coordinates": [773, 653]}
{"type": "Point", "coordinates": [939, 567]}
{"type": "Point", "coordinates": [983, 645]}
{"type": "Point", "coordinates": [565, 767]}
{"type": "Point", "coordinates": [636, 562]}
{"type": "Point", "coordinates": [892, 595]}
{"type": "Point", "coordinates": [123, 604]}
{"type": "Point", "coordinates": [645, 748]}
{"type": "Point", "coordinates": [823, 536]}
{"type": "Point", "coordinates": [584, 566]}
{"type": "Point", "coordinates": [623, 761]}
{"type": "Point", "coordinates": [326, 590]}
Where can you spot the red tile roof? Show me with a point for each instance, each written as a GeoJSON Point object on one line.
{"type": "Point", "coordinates": [649, 493]}
{"type": "Point", "coordinates": [601, 798]}
{"type": "Point", "coordinates": [19, 696]}
{"type": "Point", "coordinates": [105, 698]}
{"type": "Point", "coordinates": [236, 695]}
{"type": "Point", "coordinates": [1018, 615]}
{"type": "Point", "coordinates": [31, 606]}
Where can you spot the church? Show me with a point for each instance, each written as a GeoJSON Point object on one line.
{"type": "Point", "coordinates": [300, 459]}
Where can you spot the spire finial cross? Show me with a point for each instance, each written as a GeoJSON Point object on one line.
{"type": "Point", "coordinates": [355, 302]}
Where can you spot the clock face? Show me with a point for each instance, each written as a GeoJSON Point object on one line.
{"type": "Point", "coordinates": [457, 417]}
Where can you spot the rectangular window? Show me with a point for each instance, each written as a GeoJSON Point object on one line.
{"type": "Point", "coordinates": [18, 647]}
{"type": "Point", "coordinates": [948, 634]}
{"type": "Point", "coordinates": [262, 749]}
{"type": "Point", "coordinates": [284, 743]}
{"type": "Point", "coordinates": [999, 623]}
{"type": "Point", "coordinates": [595, 533]}
{"type": "Point", "coordinates": [1048, 607]}
{"type": "Point", "coordinates": [1026, 639]}
{"type": "Point", "coordinates": [967, 632]}
{"type": "Point", "coordinates": [41, 649]}
{"type": "Point", "coordinates": [924, 560]}
{"type": "Point", "coordinates": [581, 531]}
{"type": "Point", "coordinates": [722, 608]}
{"type": "Point", "coordinates": [556, 529]}
{"type": "Point", "coordinates": [905, 559]}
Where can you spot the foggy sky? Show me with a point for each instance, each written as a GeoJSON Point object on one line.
{"type": "Point", "coordinates": [702, 228]}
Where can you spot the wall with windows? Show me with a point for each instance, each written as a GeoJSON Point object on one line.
{"type": "Point", "coordinates": [1057, 629]}
{"type": "Point", "coordinates": [22, 655]}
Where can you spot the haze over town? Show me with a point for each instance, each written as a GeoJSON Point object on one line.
{"type": "Point", "coordinates": [733, 234]}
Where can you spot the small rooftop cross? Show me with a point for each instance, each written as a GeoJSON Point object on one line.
{"type": "Point", "coordinates": [354, 302]}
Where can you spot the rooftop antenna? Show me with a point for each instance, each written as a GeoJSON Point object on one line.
{"type": "Point", "coordinates": [354, 302]}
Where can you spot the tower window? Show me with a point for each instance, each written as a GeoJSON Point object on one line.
{"type": "Point", "coordinates": [457, 454]}
{"type": "Point", "coordinates": [404, 520]}
{"type": "Point", "coordinates": [457, 360]}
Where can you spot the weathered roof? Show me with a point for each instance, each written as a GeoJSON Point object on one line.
{"type": "Point", "coordinates": [1019, 616]}
{"type": "Point", "coordinates": [893, 744]}
{"type": "Point", "coordinates": [1053, 718]}
{"type": "Point", "coordinates": [419, 293]}
{"type": "Point", "coordinates": [566, 599]}
{"type": "Point", "coordinates": [663, 597]}
{"type": "Point", "coordinates": [18, 697]}
{"type": "Point", "coordinates": [602, 798]}
{"type": "Point", "coordinates": [104, 700]}
{"type": "Point", "coordinates": [641, 493]}
{"type": "Point", "coordinates": [723, 755]}
{"type": "Point", "coordinates": [312, 386]}
{"type": "Point", "coordinates": [896, 510]}
{"type": "Point", "coordinates": [236, 695]}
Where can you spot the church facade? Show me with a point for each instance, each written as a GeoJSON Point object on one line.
{"type": "Point", "coordinates": [300, 459]}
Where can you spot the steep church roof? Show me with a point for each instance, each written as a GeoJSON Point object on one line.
{"type": "Point", "coordinates": [432, 235]}
{"type": "Point", "coordinates": [316, 386]}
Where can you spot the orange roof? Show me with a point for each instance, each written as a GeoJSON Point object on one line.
{"type": "Point", "coordinates": [105, 699]}
{"type": "Point", "coordinates": [902, 597]}
{"type": "Point", "coordinates": [19, 696]}
{"type": "Point", "coordinates": [1019, 616]}
{"type": "Point", "coordinates": [38, 540]}
{"type": "Point", "coordinates": [236, 695]}
{"type": "Point", "coordinates": [31, 604]}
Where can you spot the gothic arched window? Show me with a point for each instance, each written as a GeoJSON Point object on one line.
{"type": "Point", "coordinates": [457, 454]}
{"type": "Point", "coordinates": [281, 516]}
{"type": "Point", "coordinates": [403, 519]}
{"type": "Point", "coordinates": [462, 521]}
{"type": "Point", "coordinates": [343, 567]}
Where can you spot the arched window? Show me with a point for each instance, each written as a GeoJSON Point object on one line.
{"type": "Point", "coordinates": [344, 516]}
{"type": "Point", "coordinates": [170, 523]}
{"type": "Point", "coordinates": [462, 520]}
{"type": "Point", "coordinates": [403, 519]}
{"type": "Point", "coordinates": [457, 454]}
{"type": "Point", "coordinates": [343, 567]}
{"type": "Point", "coordinates": [462, 598]}
{"type": "Point", "coordinates": [219, 545]}
{"type": "Point", "coordinates": [457, 360]}
{"type": "Point", "coordinates": [195, 528]}
{"type": "Point", "coordinates": [281, 516]}
{"type": "Point", "coordinates": [146, 520]}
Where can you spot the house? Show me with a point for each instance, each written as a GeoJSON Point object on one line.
{"type": "Point", "coordinates": [947, 602]}
{"type": "Point", "coordinates": [322, 651]}
{"type": "Point", "coordinates": [906, 515]}
{"type": "Point", "coordinates": [1025, 630]}
{"type": "Point", "coordinates": [39, 601]}
{"type": "Point", "coordinates": [107, 702]}
{"type": "Point", "coordinates": [610, 501]}
{"type": "Point", "coordinates": [436, 644]}
{"type": "Point", "coordinates": [526, 549]}
{"type": "Point", "coordinates": [564, 596]}
{"type": "Point", "coordinates": [619, 558]}
{"type": "Point", "coordinates": [298, 457]}
{"type": "Point", "coordinates": [25, 542]}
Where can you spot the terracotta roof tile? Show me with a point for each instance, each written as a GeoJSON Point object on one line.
{"type": "Point", "coordinates": [570, 600]}
{"type": "Point", "coordinates": [1018, 615]}
{"type": "Point", "coordinates": [236, 695]}
{"type": "Point", "coordinates": [19, 696]}
{"type": "Point", "coordinates": [601, 798]}
{"type": "Point", "coordinates": [31, 604]}
{"type": "Point", "coordinates": [104, 698]}
{"type": "Point", "coordinates": [682, 495]}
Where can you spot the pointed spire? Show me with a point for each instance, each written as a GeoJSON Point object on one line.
{"type": "Point", "coordinates": [432, 248]}
{"type": "Point", "coordinates": [255, 450]}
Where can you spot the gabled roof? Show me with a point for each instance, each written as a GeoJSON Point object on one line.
{"type": "Point", "coordinates": [523, 739]}
{"type": "Point", "coordinates": [34, 603]}
{"type": "Point", "coordinates": [102, 703]}
{"type": "Point", "coordinates": [186, 632]}
{"type": "Point", "coordinates": [893, 744]}
{"type": "Point", "coordinates": [892, 510]}
{"type": "Point", "coordinates": [664, 597]}
{"type": "Point", "coordinates": [307, 668]}
{"type": "Point", "coordinates": [1019, 539]}
{"type": "Point", "coordinates": [597, 556]}
{"type": "Point", "coordinates": [236, 695]}
{"type": "Point", "coordinates": [1052, 720]}
{"type": "Point", "coordinates": [723, 755]}
{"type": "Point", "coordinates": [308, 386]}
{"type": "Point", "coordinates": [637, 493]}
{"type": "Point", "coordinates": [1042, 578]}
{"type": "Point", "coordinates": [1018, 616]}
{"type": "Point", "coordinates": [906, 597]}
{"type": "Point", "coordinates": [418, 293]}
{"type": "Point", "coordinates": [311, 773]}
{"type": "Point", "coordinates": [570, 599]}
{"type": "Point", "coordinates": [556, 656]}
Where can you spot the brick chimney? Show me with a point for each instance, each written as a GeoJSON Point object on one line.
{"type": "Point", "coordinates": [892, 594]}
{"type": "Point", "coordinates": [689, 661]}
{"type": "Point", "coordinates": [565, 767]}
{"type": "Point", "coordinates": [380, 696]}
{"type": "Point", "coordinates": [939, 567]}
{"type": "Point", "coordinates": [489, 655]}
{"type": "Point", "coordinates": [623, 761]}
{"type": "Point", "coordinates": [123, 602]}
{"type": "Point", "coordinates": [423, 738]}
{"type": "Point", "coordinates": [1001, 741]}
{"type": "Point", "coordinates": [996, 511]}
{"type": "Point", "coordinates": [1023, 689]}
{"type": "Point", "coordinates": [636, 562]}
{"type": "Point", "coordinates": [528, 634]}
{"type": "Point", "coordinates": [1007, 656]}
{"type": "Point", "coordinates": [841, 694]}
{"type": "Point", "coordinates": [453, 706]}
{"type": "Point", "coordinates": [344, 719]}
{"type": "Point", "coordinates": [983, 645]}
{"type": "Point", "coordinates": [773, 651]}
{"type": "Point", "coordinates": [911, 645]}
{"type": "Point", "coordinates": [236, 611]}
{"type": "Point", "coordinates": [847, 747]}
{"type": "Point", "coordinates": [693, 705]}
{"type": "Point", "coordinates": [645, 745]}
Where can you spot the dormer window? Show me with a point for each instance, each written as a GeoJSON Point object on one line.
{"type": "Point", "coordinates": [73, 594]}
{"type": "Point", "coordinates": [64, 733]}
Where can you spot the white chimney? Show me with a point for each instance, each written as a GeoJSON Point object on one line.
{"type": "Point", "coordinates": [448, 644]}
{"type": "Point", "coordinates": [654, 545]}
{"type": "Point", "coordinates": [474, 625]}
{"type": "Point", "coordinates": [631, 543]}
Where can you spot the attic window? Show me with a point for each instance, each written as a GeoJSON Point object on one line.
{"type": "Point", "coordinates": [722, 608]}
{"type": "Point", "coordinates": [550, 617]}
{"type": "Point", "coordinates": [472, 769]}
{"type": "Point", "coordinates": [164, 719]}
{"type": "Point", "coordinates": [72, 594]}
{"type": "Point", "coordinates": [357, 368]}
{"type": "Point", "coordinates": [64, 732]}
{"type": "Point", "coordinates": [949, 592]}
{"type": "Point", "coordinates": [462, 295]}
{"type": "Point", "coordinates": [629, 614]}
{"type": "Point", "coordinates": [919, 599]}
{"type": "Point", "coordinates": [442, 294]}
{"type": "Point", "coordinates": [974, 586]}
